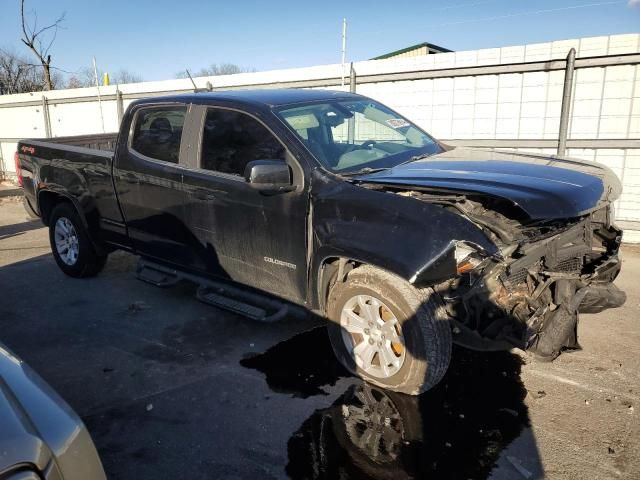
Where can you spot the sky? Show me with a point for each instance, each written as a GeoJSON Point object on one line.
{"type": "Point", "coordinates": [157, 39]}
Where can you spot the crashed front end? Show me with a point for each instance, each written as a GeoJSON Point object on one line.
{"type": "Point", "coordinates": [529, 292]}
{"type": "Point", "coordinates": [529, 295]}
{"type": "Point", "coordinates": [548, 248]}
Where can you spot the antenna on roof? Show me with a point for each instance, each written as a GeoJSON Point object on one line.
{"type": "Point", "coordinates": [195, 87]}
{"type": "Point", "coordinates": [208, 87]}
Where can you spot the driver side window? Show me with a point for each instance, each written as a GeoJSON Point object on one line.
{"type": "Point", "coordinates": [232, 139]}
{"type": "Point", "coordinates": [158, 132]}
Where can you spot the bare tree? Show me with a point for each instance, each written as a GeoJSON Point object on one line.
{"type": "Point", "coordinates": [218, 69]}
{"type": "Point", "coordinates": [85, 77]}
{"type": "Point", "coordinates": [74, 81]}
{"type": "Point", "coordinates": [34, 38]}
{"type": "Point", "coordinates": [18, 75]}
{"type": "Point", "coordinates": [125, 76]}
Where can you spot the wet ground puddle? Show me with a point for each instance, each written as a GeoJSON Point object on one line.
{"type": "Point", "coordinates": [457, 430]}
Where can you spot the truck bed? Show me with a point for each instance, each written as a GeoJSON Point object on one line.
{"type": "Point", "coordinates": [100, 141]}
{"type": "Point", "coordinates": [78, 168]}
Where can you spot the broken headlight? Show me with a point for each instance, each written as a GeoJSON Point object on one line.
{"type": "Point", "coordinates": [467, 257]}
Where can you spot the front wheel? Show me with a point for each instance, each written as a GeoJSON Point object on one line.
{"type": "Point", "coordinates": [70, 244]}
{"type": "Point", "coordinates": [388, 332]}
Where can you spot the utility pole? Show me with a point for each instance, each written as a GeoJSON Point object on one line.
{"type": "Point", "coordinates": [95, 73]}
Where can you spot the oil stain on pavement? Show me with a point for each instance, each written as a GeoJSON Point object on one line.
{"type": "Point", "coordinates": [299, 378]}
{"type": "Point", "coordinates": [456, 430]}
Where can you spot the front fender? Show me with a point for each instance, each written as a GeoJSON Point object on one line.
{"type": "Point", "coordinates": [405, 236]}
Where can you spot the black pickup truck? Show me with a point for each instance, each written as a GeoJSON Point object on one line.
{"type": "Point", "coordinates": [336, 203]}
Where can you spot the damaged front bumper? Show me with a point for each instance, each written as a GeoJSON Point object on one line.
{"type": "Point", "coordinates": [531, 297]}
{"type": "Point", "coordinates": [601, 297]}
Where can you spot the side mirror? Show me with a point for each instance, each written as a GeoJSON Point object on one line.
{"type": "Point", "coordinates": [269, 175]}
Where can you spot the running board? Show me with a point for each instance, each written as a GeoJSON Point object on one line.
{"type": "Point", "coordinates": [247, 304]}
{"type": "Point", "coordinates": [156, 275]}
{"type": "Point", "coordinates": [224, 295]}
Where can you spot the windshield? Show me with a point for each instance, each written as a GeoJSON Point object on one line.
{"type": "Point", "coordinates": [356, 135]}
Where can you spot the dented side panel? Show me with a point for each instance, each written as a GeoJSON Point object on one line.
{"type": "Point", "coordinates": [405, 236]}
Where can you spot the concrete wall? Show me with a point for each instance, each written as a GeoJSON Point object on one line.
{"type": "Point", "coordinates": [510, 106]}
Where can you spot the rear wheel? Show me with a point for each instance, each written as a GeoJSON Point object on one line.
{"type": "Point", "coordinates": [388, 332]}
{"type": "Point", "coordinates": [70, 244]}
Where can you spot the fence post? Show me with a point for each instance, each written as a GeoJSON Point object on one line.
{"type": "Point", "coordinates": [119, 105]}
{"type": "Point", "coordinates": [351, 123]}
{"type": "Point", "coordinates": [566, 102]}
{"type": "Point", "coordinates": [45, 115]}
{"type": "Point", "coordinates": [352, 79]}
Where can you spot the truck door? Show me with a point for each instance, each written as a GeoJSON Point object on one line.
{"type": "Point", "coordinates": [148, 178]}
{"type": "Point", "coordinates": [238, 232]}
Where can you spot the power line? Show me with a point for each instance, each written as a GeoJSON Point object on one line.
{"type": "Point", "coordinates": [466, 4]}
{"type": "Point", "coordinates": [535, 12]}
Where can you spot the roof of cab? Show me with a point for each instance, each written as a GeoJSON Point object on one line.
{"type": "Point", "coordinates": [265, 97]}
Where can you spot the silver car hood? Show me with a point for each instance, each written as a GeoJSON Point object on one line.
{"type": "Point", "coordinates": [37, 426]}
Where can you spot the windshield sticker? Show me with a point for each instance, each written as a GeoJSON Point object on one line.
{"type": "Point", "coordinates": [397, 122]}
{"type": "Point", "coordinates": [302, 122]}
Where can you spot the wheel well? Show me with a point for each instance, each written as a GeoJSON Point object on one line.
{"type": "Point", "coordinates": [331, 270]}
{"type": "Point", "coordinates": [47, 201]}
{"type": "Point", "coordinates": [334, 269]}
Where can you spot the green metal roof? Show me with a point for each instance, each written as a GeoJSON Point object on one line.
{"type": "Point", "coordinates": [430, 46]}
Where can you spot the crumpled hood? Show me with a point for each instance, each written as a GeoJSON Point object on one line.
{"type": "Point", "coordinates": [545, 187]}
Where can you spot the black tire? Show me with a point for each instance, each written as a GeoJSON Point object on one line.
{"type": "Point", "coordinates": [423, 322]}
{"type": "Point", "coordinates": [88, 262]}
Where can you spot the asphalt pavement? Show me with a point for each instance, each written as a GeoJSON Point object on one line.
{"type": "Point", "coordinates": [172, 388]}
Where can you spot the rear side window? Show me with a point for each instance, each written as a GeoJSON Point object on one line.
{"type": "Point", "coordinates": [232, 139]}
{"type": "Point", "coordinates": [157, 133]}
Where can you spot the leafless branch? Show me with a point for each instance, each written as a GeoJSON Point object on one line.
{"type": "Point", "coordinates": [33, 39]}
{"type": "Point", "coordinates": [18, 75]}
